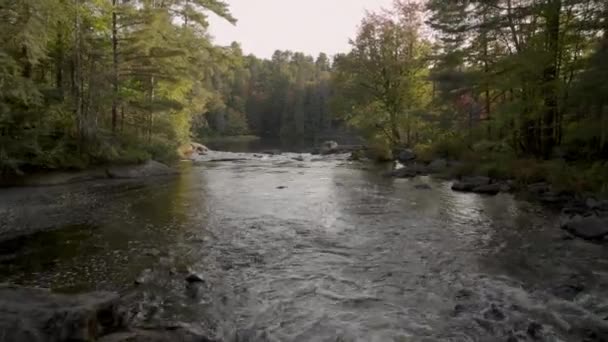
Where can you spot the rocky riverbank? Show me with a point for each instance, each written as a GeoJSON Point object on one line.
{"type": "Point", "coordinates": [583, 215]}
{"type": "Point", "coordinates": [38, 315]}
{"type": "Point", "coordinates": [65, 199]}
{"type": "Point", "coordinates": [263, 233]}
{"type": "Point", "coordinates": [148, 169]}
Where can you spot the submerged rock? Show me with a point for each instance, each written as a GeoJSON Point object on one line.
{"type": "Point", "coordinates": [409, 171]}
{"type": "Point", "coordinates": [423, 187]}
{"type": "Point", "coordinates": [328, 147]}
{"type": "Point", "coordinates": [538, 188]}
{"type": "Point", "coordinates": [177, 332]}
{"type": "Point", "coordinates": [194, 278]}
{"type": "Point", "coordinates": [144, 278]}
{"type": "Point", "coordinates": [272, 152]}
{"type": "Point", "coordinates": [37, 315]}
{"type": "Point", "coordinates": [535, 330]}
{"type": "Point", "coordinates": [588, 228]}
{"type": "Point", "coordinates": [494, 314]}
{"type": "Point", "coordinates": [357, 155]}
{"type": "Point", "coordinates": [567, 291]}
{"type": "Point", "coordinates": [150, 168]}
{"type": "Point", "coordinates": [553, 198]}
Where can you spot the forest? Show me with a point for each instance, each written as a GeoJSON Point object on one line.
{"type": "Point", "coordinates": [511, 86]}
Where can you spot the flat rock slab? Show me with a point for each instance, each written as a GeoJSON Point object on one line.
{"type": "Point", "coordinates": [170, 334]}
{"type": "Point", "coordinates": [588, 228]}
{"type": "Point", "coordinates": [488, 189]}
{"type": "Point", "coordinates": [37, 315]}
{"type": "Point", "coordinates": [469, 184]}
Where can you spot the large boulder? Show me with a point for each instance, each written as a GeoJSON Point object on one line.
{"type": "Point", "coordinates": [588, 228]}
{"type": "Point", "coordinates": [468, 184]}
{"type": "Point", "coordinates": [488, 189]}
{"type": "Point", "coordinates": [37, 315]}
{"type": "Point", "coordinates": [328, 147]}
{"type": "Point", "coordinates": [438, 165]}
{"type": "Point", "coordinates": [538, 188]}
{"type": "Point", "coordinates": [405, 156]}
{"type": "Point", "coordinates": [150, 168]}
{"type": "Point", "coordinates": [170, 333]}
{"type": "Point", "coordinates": [199, 148]}
{"type": "Point", "coordinates": [409, 171]}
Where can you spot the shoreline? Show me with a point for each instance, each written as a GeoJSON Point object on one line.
{"type": "Point", "coordinates": [61, 190]}
{"type": "Point", "coordinates": [149, 168]}
{"type": "Point", "coordinates": [34, 314]}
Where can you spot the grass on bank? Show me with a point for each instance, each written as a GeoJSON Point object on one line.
{"type": "Point", "coordinates": [497, 160]}
{"type": "Point", "coordinates": [69, 154]}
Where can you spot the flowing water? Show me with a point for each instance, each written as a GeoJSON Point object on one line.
{"type": "Point", "coordinates": [316, 250]}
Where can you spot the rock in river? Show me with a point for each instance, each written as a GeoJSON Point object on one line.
{"type": "Point", "coordinates": [199, 148]}
{"type": "Point", "coordinates": [37, 315]}
{"type": "Point", "coordinates": [423, 187]}
{"type": "Point", "coordinates": [409, 171]}
{"type": "Point", "coordinates": [588, 228]}
{"type": "Point", "coordinates": [405, 156]}
{"type": "Point", "coordinates": [470, 183]}
{"type": "Point", "coordinates": [171, 333]}
{"type": "Point", "coordinates": [488, 189]}
{"type": "Point", "coordinates": [194, 278]}
{"type": "Point", "coordinates": [328, 147]}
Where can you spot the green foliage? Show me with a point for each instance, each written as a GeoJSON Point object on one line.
{"type": "Point", "coordinates": [286, 96]}
{"type": "Point", "coordinates": [89, 82]}
{"type": "Point", "coordinates": [451, 147]}
{"type": "Point", "coordinates": [382, 83]}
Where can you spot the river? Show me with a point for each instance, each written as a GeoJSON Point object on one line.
{"type": "Point", "coordinates": [316, 250]}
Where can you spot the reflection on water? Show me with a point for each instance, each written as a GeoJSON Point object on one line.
{"type": "Point", "coordinates": [323, 250]}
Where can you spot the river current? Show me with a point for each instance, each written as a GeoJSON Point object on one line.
{"type": "Point", "coordinates": [306, 248]}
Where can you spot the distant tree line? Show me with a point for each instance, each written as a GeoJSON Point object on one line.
{"type": "Point", "coordinates": [287, 96]}
{"type": "Point", "coordinates": [91, 81]}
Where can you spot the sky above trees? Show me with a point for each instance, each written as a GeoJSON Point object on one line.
{"type": "Point", "coordinates": [311, 26]}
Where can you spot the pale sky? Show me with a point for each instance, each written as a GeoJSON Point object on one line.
{"type": "Point", "coordinates": [309, 26]}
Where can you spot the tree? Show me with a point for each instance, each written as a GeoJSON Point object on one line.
{"type": "Point", "coordinates": [387, 70]}
{"type": "Point", "coordinates": [75, 71]}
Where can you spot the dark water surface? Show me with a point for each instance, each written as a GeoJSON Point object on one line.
{"type": "Point", "coordinates": [339, 254]}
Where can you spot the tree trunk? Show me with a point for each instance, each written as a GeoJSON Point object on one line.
{"type": "Point", "coordinates": [122, 118]}
{"type": "Point", "coordinates": [77, 77]}
{"type": "Point", "coordinates": [486, 70]}
{"type": "Point", "coordinates": [395, 135]}
{"type": "Point", "coordinates": [59, 65]}
{"type": "Point", "coordinates": [151, 111]}
{"type": "Point", "coordinates": [114, 66]}
{"type": "Point", "coordinates": [550, 77]}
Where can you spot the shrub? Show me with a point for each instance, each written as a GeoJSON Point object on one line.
{"type": "Point", "coordinates": [424, 152]}
{"type": "Point", "coordinates": [451, 147]}
{"type": "Point", "coordinates": [163, 150]}
{"type": "Point", "coordinates": [527, 171]}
